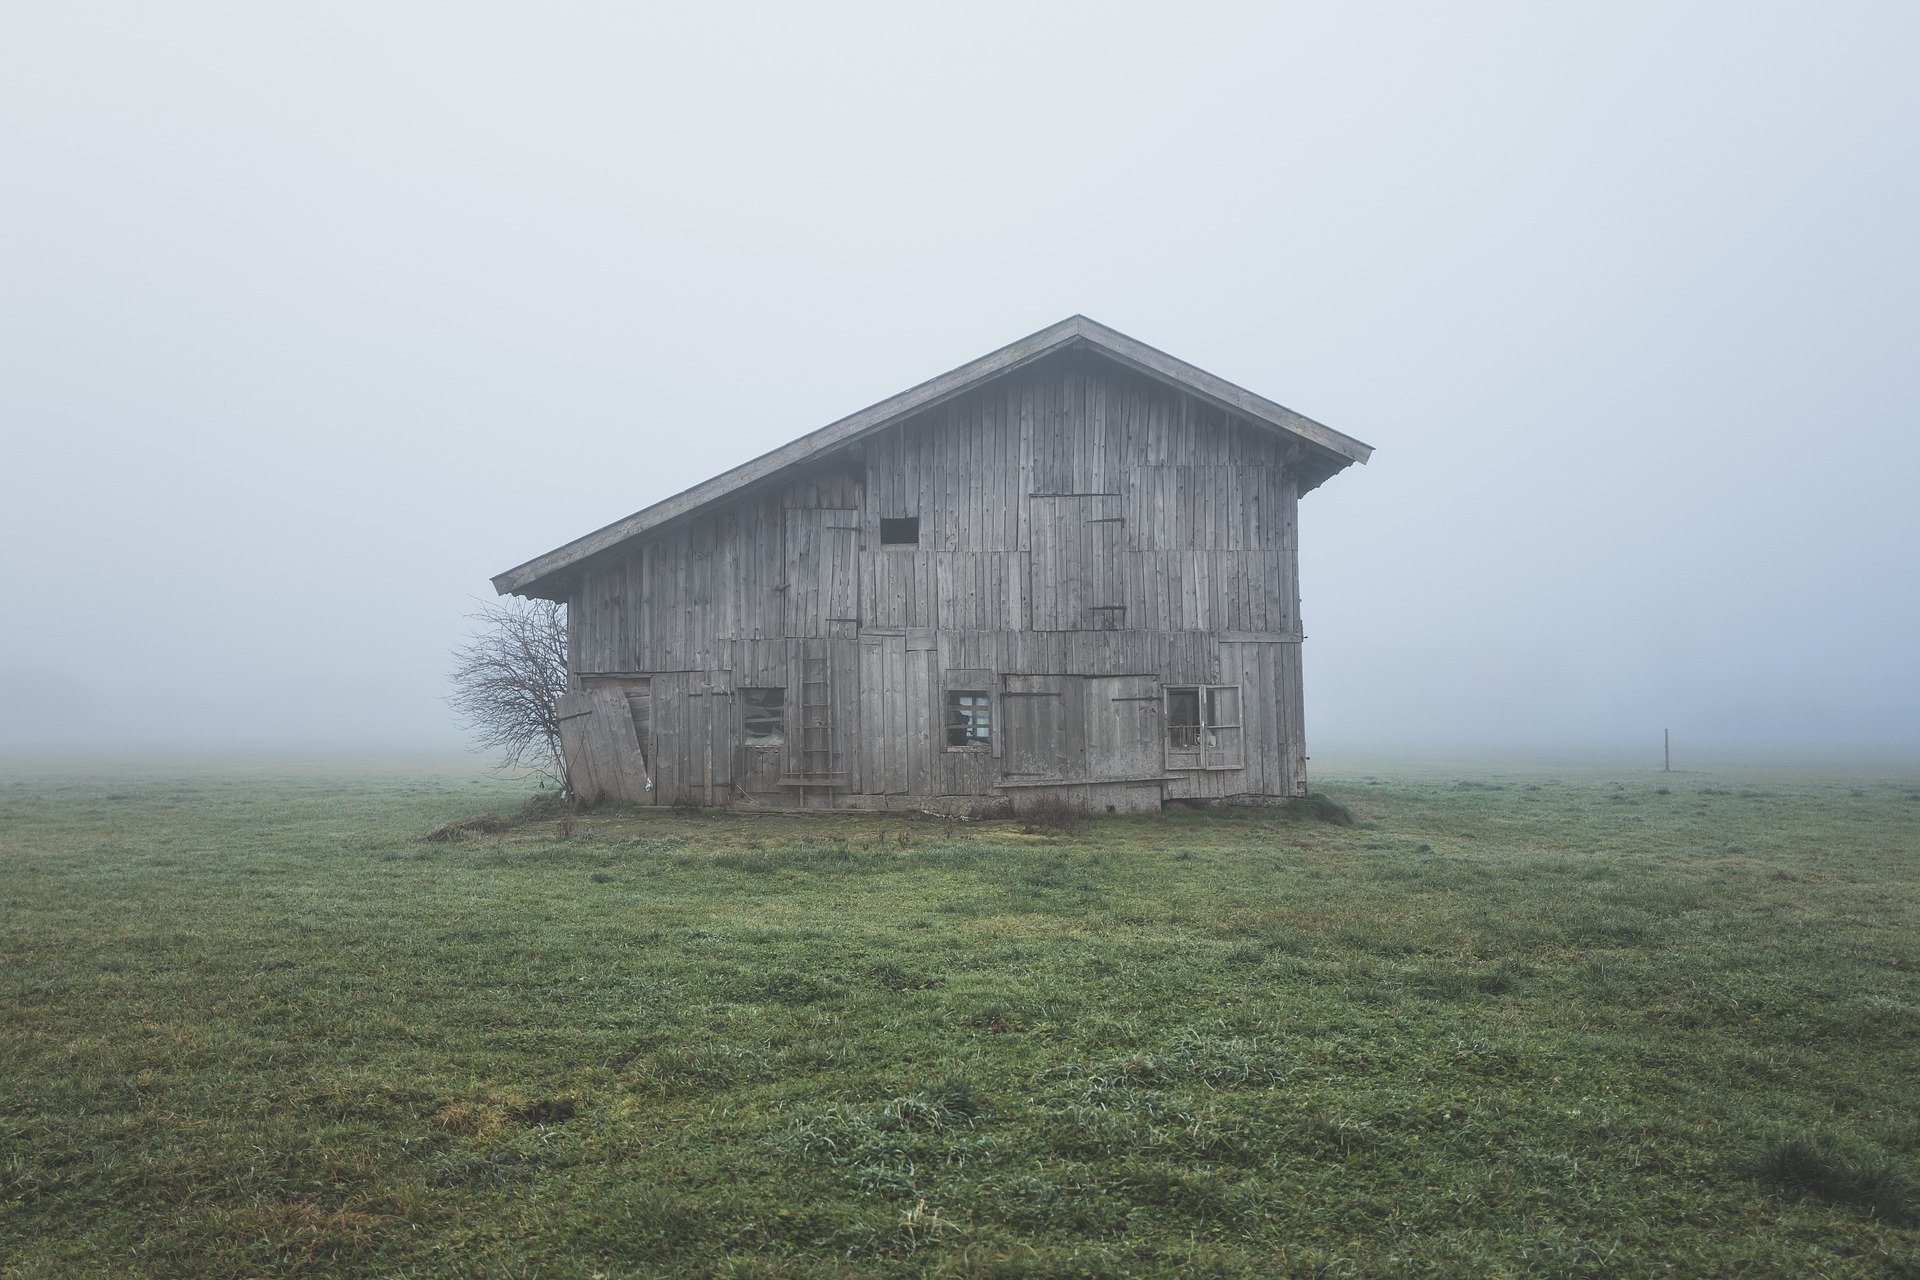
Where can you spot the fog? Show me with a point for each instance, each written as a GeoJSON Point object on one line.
{"type": "Point", "coordinates": [314, 317]}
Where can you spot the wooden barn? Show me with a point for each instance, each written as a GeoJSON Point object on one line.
{"type": "Point", "coordinates": [1068, 567]}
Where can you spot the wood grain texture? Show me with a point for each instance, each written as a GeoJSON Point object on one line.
{"type": "Point", "coordinates": [1324, 451]}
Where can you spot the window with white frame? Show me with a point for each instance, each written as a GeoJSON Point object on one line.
{"type": "Point", "coordinates": [969, 719]}
{"type": "Point", "coordinates": [1203, 727]}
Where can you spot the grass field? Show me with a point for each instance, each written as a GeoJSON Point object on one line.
{"type": "Point", "coordinates": [251, 1024]}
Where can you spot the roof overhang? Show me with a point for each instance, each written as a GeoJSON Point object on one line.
{"type": "Point", "coordinates": [1323, 451]}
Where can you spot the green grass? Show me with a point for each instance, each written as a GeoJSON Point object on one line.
{"type": "Point", "coordinates": [253, 1024]}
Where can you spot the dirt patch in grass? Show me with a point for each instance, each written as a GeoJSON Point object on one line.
{"type": "Point", "coordinates": [547, 1111]}
{"type": "Point", "coordinates": [491, 824]}
{"type": "Point", "coordinates": [1817, 1166]}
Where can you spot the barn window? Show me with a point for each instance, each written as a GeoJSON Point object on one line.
{"type": "Point", "coordinates": [969, 719]}
{"type": "Point", "coordinates": [1203, 727]}
{"type": "Point", "coordinates": [903, 531]}
{"type": "Point", "coordinates": [1183, 720]}
{"type": "Point", "coordinates": [764, 715]}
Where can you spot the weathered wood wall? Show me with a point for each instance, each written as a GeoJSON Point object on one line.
{"type": "Point", "coordinates": [1079, 524]}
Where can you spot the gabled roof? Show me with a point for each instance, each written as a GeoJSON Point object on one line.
{"type": "Point", "coordinates": [1325, 451]}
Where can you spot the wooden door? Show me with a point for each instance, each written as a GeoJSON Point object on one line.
{"type": "Point", "coordinates": [884, 731]}
{"type": "Point", "coordinates": [1037, 720]}
{"type": "Point", "coordinates": [693, 739]}
{"type": "Point", "coordinates": [602, 752]}
{"type": "Point", "coordinates": [711, 720]}
{"type": "Point", "coordinates": [1123, 727]}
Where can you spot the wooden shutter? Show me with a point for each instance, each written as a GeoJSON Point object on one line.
{"type": "Point", "coordinates": [1074, 571]}
{"type": "Point", "coordinates": [821, 578]}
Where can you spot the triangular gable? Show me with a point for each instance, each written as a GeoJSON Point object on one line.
{"type": "Point", "coordinates": [1326, 450]}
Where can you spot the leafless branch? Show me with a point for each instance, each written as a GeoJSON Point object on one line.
{"type": "Point", "coordinates": [507, 681]}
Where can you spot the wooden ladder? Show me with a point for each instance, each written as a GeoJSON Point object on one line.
{"type": "Point", "coordinates": [816, 715]}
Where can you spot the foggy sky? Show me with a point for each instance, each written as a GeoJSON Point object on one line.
{"type": "Point", "coordinates": [313, 317]}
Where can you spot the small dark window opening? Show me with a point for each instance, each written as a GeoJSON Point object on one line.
{"type": "Point", "coordinates": [902, 531]}
{"type": "Point", "coordinates": [764, 716]}
{"type": "Point", "coordinates": [1183, 719]}
{"type": "Point", "coordinates": [640, 710]}
{"type": "Point", "coordinates": [969, 718]}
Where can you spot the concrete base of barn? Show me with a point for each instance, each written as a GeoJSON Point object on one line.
{"type": "Point", "coordinates": [1096, 798]}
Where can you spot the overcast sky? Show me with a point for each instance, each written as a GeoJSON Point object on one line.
{"type": "Point", "coordinates": [314, 317]}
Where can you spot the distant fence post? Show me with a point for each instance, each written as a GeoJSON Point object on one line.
{"type": "Point", "coordinates": [1666, 750]}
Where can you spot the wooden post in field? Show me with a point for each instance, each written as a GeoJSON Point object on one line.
{"type": "Point", "coordinates": [1666, 750]}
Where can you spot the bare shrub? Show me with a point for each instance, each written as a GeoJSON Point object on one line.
{"type": "Point", "coordinates": [1054, 812]}
{"type": "Point", "coordinates": [507, 681]}
{"type": "Point", "coordinates": [548, 804]}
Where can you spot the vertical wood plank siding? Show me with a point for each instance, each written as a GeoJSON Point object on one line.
{"type": "Point", "coordinates": [1087, 535]}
